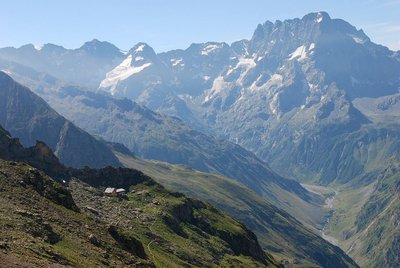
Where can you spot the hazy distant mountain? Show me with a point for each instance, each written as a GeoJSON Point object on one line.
{"type": "Point", "coordinates": [143, 69]}
{"type": "Point", "coordinates": [29, 118]}
{"type": "Point", "coordinates": [86, 65]}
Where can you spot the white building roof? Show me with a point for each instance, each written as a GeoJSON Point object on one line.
{"type": "Point", "coordinates": [109, 190]}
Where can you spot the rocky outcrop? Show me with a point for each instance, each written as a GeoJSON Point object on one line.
{"type": "Point", "coordinates": [241, 243]}
{"type": "Point", "coordinates": [127, 241]}
{"type": "Point", "coordinates": [39, 156]}
{"type": "Point", "coordinates": [109, 176]}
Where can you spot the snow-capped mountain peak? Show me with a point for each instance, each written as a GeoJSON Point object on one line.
{"type": "Point", "coordinates": [142, 49]}
{"type": "Point", "coordinates": [317, 17]}
{"type": "Point", "coordinates": [125, 69]}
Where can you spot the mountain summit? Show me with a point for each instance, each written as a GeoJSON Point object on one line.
{"type": "Point", "coordinates": [101, 49]}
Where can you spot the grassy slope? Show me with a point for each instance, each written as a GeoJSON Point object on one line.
{"type": "Point", "coordinates": [37, 232]}
{"type": "Point", "coordinates": [158, 220]}
{"type": "Point", "coordinates": [29, 220]}
{"type": "Point", "coordinates": [380, 110]}
{"type": "Point", "coordinates": [325, 159]}
{"type": "Point", "coordinates": [347, 204]}
{"type": "Point", "coordinates": [375, 240]}
{"type": "Point", "coordinates": [276, 230]}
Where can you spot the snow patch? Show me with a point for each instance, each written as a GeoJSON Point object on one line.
{"type": "Point", "coordinates": [230, 70]}
{"type": "Point", "coordinates": [254, 86]}
{"type": "Point", "coordinates": [273, 105]}
{"type": "Point", "coordinates": [358, 40]}
{"type": "Point", "coordinates": [300, 53]}
{"type": "Point", "coordinates": [206, 77]}
{"type": "Point", "coordinates": [246, 64]}
{"type": "Point", "coordinates": [274, 80]}
{"type": "Point", "coordinates": [139, 58]}
{"type": "Point", "coordinates": [38, 47]}
{"type": "Point", "coordinates": [140, 48]}
{"type": "Point", "coordinates": [208, 49]}
{"type": "Point", "coordinates": [6, 71]}
{"type": "Point", "coordinates": [246, 51]}
{"type": "Point", "coordinates": [319, 18]}
{"type": "Point", "coordinates": [217, 87]}
{"type": "Point", "coordinates": [312, 87]}
{"type": "Point", "coordinates": [175, 62]}
{"type": "Point", "coordinates": [121, 72]}
{"type": "Point", "coordinates": [312, 46]}
{"type": "Point", "coordinates": [185, 97]}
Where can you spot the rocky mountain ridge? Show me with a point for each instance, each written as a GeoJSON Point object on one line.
{"type": "Point", "coordinates": [30, 118]}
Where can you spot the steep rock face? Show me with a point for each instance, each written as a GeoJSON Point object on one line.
{"type": "Point", "coordinates": [28, 117]}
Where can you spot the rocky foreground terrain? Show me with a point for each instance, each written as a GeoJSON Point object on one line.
{"type": "Point", "coordinates": [65, 220]}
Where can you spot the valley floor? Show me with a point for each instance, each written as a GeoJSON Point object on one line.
{"type": "Point", "coordinates": [343, 204]}
{"type": "Point", "coordinates": [330, 195]}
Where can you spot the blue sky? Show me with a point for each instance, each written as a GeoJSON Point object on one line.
{"type": "Point", "coordinates": [170, 24]}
